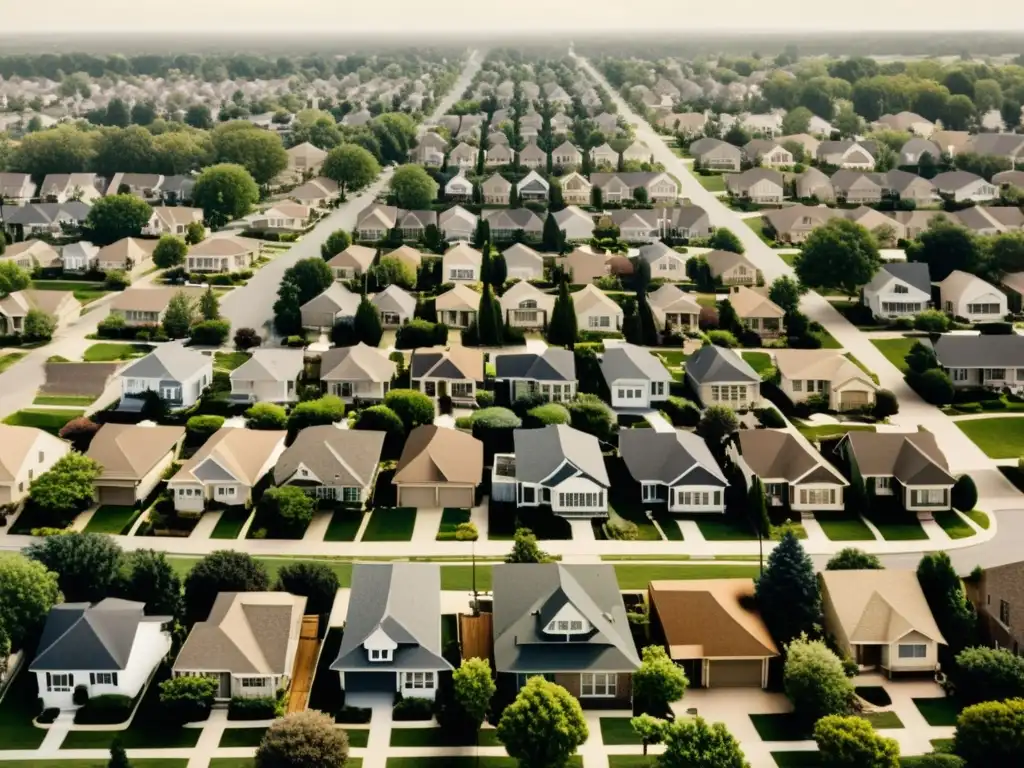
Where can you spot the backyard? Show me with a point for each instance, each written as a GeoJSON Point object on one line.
{"type": "Point", "coordinates": [999, 438]}
{"type": "Point", "coordinates": [895, 350]}
{"type": "Point", "coordinates": [106, 352]}
{"type": "Point", "coordinates": [229, 361]}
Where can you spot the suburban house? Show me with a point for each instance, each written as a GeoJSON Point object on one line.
{"type": "Point", "coordinates": [25, 454]}
{"type": "Point", "coordinates": [576, 189]}
{"type": "Point", "coordinates": [496, 189]}
{"type": "Point", "coordinates": [147, 307]}
{"type": "Point", "coordinates": [332, 463]}
{"type": "Point", "coordinates": [412, 225]}
{"type": "Point", "coordinates": [305, 158]}
{"type": "Point", "coordinates": [846, 153]}
{"type": "Point", "coordinates": [222, 254]}
{"type": "Point", "coordinates": [374, 222]}
{"type": "Point", "coordinates": [596, 311]}
{"type": "Point", "coordinates": [962, 186]}
{"type": "Point", "coordinates": [336, 304]}
{"type": "Point", "coordinates": [78, 257]}
{"type": "Point", "coordinates": [898, 289]}
{"type": "Point", "coordinates": [716, 155]}
{"type": "Point", "coordinates": [17, 188]}
{"type": "Point", "coordinates": [65, 187]}
{"type": "Point", "coordinates": [566, 155]}
{"type": "Point", "coordinates": [14, 308]}
{"type": "Point", "coordinates": [812, 183]}
{"type": "Point", "coordinates": [794, 223]}
{"type": "Point", "coordinates": [29, 254]}
{"type": "Point", "coordinates": [712, 629]}
{"type": "Point", "coordinates": [453, 372]}
{"type": "Point", "coordinates": [392, 640]}
{"type": "Point", "coordinates": [176, 373]}
{"type": "Point", "coordinates": [881, 620]}
{"type": "Point", "coordinates": [499, 155]}
{"type": "Point", "coordinates": [567, 623]}
{"type": "Point", "coordinates": [110, 648]}
{"type": "Point", "coordinates": [997, 597]}
{"type": "Point", "coordinates": [854, 186]}
{"type": "Point", "coordinates": [758, 185]}
{"type": "Point", "coordinates": [824, 373]}
{"type": "Point", "coordinates": [689, 221]}
{"type": "Point", "coordinates": [177, 189]}
{"type": "Point", "coordinates": [791, 472]}
{"type": "Point", "coordinates": [284, 216]}
{"type": "Point", "coordinates": [665, 262]}
{"type": "Point", "coordinates": [584, 264]}
{"type": "Point", "coordinates": [359, 372]}
{"type": "Point", "coordinates": [459, 187]}
{"type": "Point", "coordinates": [909, 186]}
{"type": "Point", "coordinates": [991, 220]}
{"type": "Point", "coordinates": [916, 148]}
{"type": "Point", "coordinates": [993, 362]}
{"type": "Point", "coordinates": [767, 153]}
{"type": "Point", "coordinates": [51, 218]}
{"type": "Point", "coordinates": [551, 373]}
{"type": "Point", "coordinates": [604, 155]}
{"type": "Point", "coordinates": [637, 152]}
{"type": "Point", "coordinates": [130, 254]}
{"type": "Point", "coordinates": [616, 187]}
{"type": "Point", "coordinates": [395, 306]}
{"type": "Point", "coordinates": [462, 156]}
{"type": "Point", "coordinates": [511, 223]}
{"type": "Point", "coordinates": [674, 309]}
{"type": "Point", "coordinates": [457, 307]}
{"type": "Point", "coordinates": [720, 376]}
{"type": "Point", "coordinates": [248, 644]}
{"type": "Point", "coordinates": [439, 467]}
{"type": "Point", "coordinates": [408, 255]}
{"type": "Point", "coordinates": [555, 466]}
{"type": "Point", "coordinates": [730, 268]}
{"type": "Point", "coordinates": [429, 150]}
{"type": "Point", "coordinates": [316, 193]}
{"type": "Point", "coordinates": [523, 263]}
{"type": "Point", "coordinates": [907, 121]}
{"type": "Point", "coordinates": [456, 223]}
{"type": "Point", "coordinates": [225, 469]}
{"type": "Point", "coordinates": [172, 220]}
{"type": "Point", "coordinates": [352, 262]}
{"type": "Point", "coordinates": [635, 377]}
{"type": "Point", "coordinates": [757, 312]}
{"type": "Point", "coordinates": [531, 156]}
{"type": "Point", "coordinates": [909, 466]}
{"type": "Point", "coordinates": [675, 469]}
{"type": "Point", "coordinates": [134, 459]}
{"type": "Point", "coordinates": [526, 306]}
{"type": "Point", "coordinates": [268, 376]}
{"type": "Point", "coordinates": [575, 224]}
{"type": "Point", "coordinates": [968, 296]}
{"type": "Point", "coordinates": [462, 263]}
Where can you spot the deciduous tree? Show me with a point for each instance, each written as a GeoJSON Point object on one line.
{"type": "Point", "coordinates": [851, 742]}
{"type": "Point", "coordinates": [170, 251]}
{"type": "Point", "coordinates": [544, 726]}
{"type": "Point", "coordinates": [224, 570]}
{"type": "Point", "coordinates": [351, 167]}
{"type": "Point", "coordinates": [853, 559]}
{"type": "Point", "coordinates": [226, 191]}
{"type": "Point", "coordinates": [840, 255]}
{"type": "Point", "coordinates": [696, 743]}
{"type": "Point", "coordinates": [317, 582]}
{"type": "Point", "coordinates": [115, 217]}
{"type": "Point", "coordinates": [412, 187]}
{"type": "Point", "coordinates": [87, 564]}
{"type": "Point", "coordinates": [815, 681]}
{"type": "Point", "coordinates": [27, 593]}
{"type": "Point", "coordinates": [658, 682]}
{"type": "Point", "coordinates": [303, 740]}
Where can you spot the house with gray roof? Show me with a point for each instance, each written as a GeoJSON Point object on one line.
{"type": "Point", "coordinates": [533, 187]}
{"type": "Point", "coordinates": [509, 223]}
{"type": "Point", "coordinates": [909, 465]}
{"type": "Point", "coordinates": [331, 463]}
{"type": "Point", "coordinates": [673, 308]}
{"type": "Point", "coordinates": [961, 186]}
{"type": "Point", "coordinates": [720, 376]}
{"type": "Point", "coordinates": [855, 186]}
{"type": "Point", "coordinates": [336, 304]}
{"type": "Point", "coordinates": [689, 221]}
{"type": "Point", "coordinates": [635, 377]}
{"type": "Point", "coordinates": [898, 289]}
{"type": "Point", "coordinates": [989, 361]}
{"type": "Point", "coordinates": [247, 644]}
{"type": "Point", "coordinates": [359, 372]}
{"type": "Point", "coordinates": [392, 641]}
{"type": "Point", "coordinates": [759, 185]}
{"type": "Point", "coordinates": [916, 148]}
{"type": "Point", "coordinates": [1006, 145]}
{"type": "Point", "coordinates": [54, 218]}
{"type": "Point", "coordinates": [174, 372]}
{"type": "Point", "coordinates": [111, 647]}
{"type": "Point", "coordinates": [991, 219]}
{"type": "Point", "coordinates": [567, 623]}
{"type": "Point", "coordinates": [674, 468]}
{"type": "Point", "coordinates": [269, 376]}
{"type": "Point", "coordinates": [716, 155]}
{"type": "Point", "coordinates": [551, 373]}
{"type": "Point", "coordinates": [394, 306]}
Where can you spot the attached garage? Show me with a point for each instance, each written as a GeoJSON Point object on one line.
{"type": "Point", "coordinates": [456, 497]}
{"type": "Point", "coordinates": [370, 682]}
{"type": "Point", "coordinates": [115, 495]}
{"type": "Point", "coordinates": [417, 496]}
{"type": "Point", "coordinates": [439, 467]}
{"type": "Point", "coordinates": [852, 398]}
{"type": "Point", "coordinates": [735, 673]}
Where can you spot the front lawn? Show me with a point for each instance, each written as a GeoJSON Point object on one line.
{"type": "Point", "coordinates": [112, 520]}
{"type": "Point", "coordinates": [637, 576]}
{"type": "Point", "coordinates": [230, 523]}
{"type": "Point", "coordinates": [47, 419]}
{"type": "Point", "coordinates": [10, 359]}
{"type": "Point", "coordinates": [228, 361]}
{"type": "Point", "coordinates": [672, 358]}
{"type": "Point", "coordinates": [617, 512]}
{"type": "Point", "coordinates": [998, 438]}
{"type": "Point", "coordinates": [940, 711]}
{"type": "Point", "coordinates": [894, 523]}
{"type": "Point", "coordinates": [503, 518]}
{"type": "Point", "coordinates": [759, 361]}
{"type": "Point", "coordinates": [85, 292]}
{"type": "Point", "coordinates": [712, 183]}
{"type": "Point", "coordinates": [788, 256]}
{"type": "Point", "coordinates": [344, 525]}
{"type": "Point", "coordinates": [242, 737]}
{"type": "Point", "coordinates": [440, 737]}
{"type": "Point", "coordinates": [828, 341]}
{"type": "Point", "coordinates": [840, 526]}
{"type": "Point", "coordinates": [105, 352]}
{"type": "Point", "coordinates": [954, 525]}
{"type": "Point", "coordinates": [881, 720]}
{"type": "Point", "coordinates": [895, 350]}
{"type": "Point", "coordinates": [390, 524]}
{"type": "Point", "coordinates": [780, 726]}
{"type": "Point", "coordinates": [723, 528]}
{"type": "Point", "coordinates": [18, 707]}
{"type": "Point", "coordinates": [669, 525]}
{"type": "Point", "coordinates": [979, 517]}
{"type": "Point", "coordinates": [756, 223]}
{"type": "Point", "coordinates": [617, 730]}
{"type": "Point", "coordinates": [451, 518]}
{"type": "Point", "coordinates": [78, 401]}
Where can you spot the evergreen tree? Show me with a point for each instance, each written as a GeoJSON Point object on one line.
{"type": "Point", "coordinates": [728, 320]}
{"type": "Point", "coordinates": [209, 306]}
{"type": "Point", "coordinates": [118, 757]}
{"type": "Point", "coordinates": [551, 238]}
{"type": "Point", "coordinates": [488, 319]}
{"type": "Point", "coordinates": [596, 197]}
{"type": "Point", "coordinates": [482, 233]}
{"type": "Point", "coordinates": [366, 325]}
{"type": "Point", "coordinates": [513, 196]}
{"type": "Point", "coordinates": [648, 328]}
{"type": "Point", "coordinates": [562, 330]}
{"type": "Point", "coordinates": [499, 270]}
{"type": "Point", "coordinates": [787, 592]}
{"type": "Point", "coordinates": [758, 508]}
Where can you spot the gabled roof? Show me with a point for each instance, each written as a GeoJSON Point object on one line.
{"type": "Point", "coordinates": [711, 364]}
{"type": "Point", "coordinates": [336, 300]}
{"type": "Point", "coordinates": [496, 183]}
{"type": "Point", "coordinates": [332, 456]}
{"type": "Point", "coordinates": [670, 458]}
{"type": "Point", "coordinates": [950, 181]}
{"type": "Point", "coordinates": [913, 458]}
{"type": "Point", "coordinates": [591, 297]}
{"type": "Point", "coordinates": [670, 298]}
{"type": "Point", "coordinates": [356, 363]}
{"type": "Point", "coordinates": [721, 262]}
{"type": "Point", "coordinates": [456, 362]}
{"type": "Point", "coordinates": [880, 606]}
{"type": "Point", "coordinates": [464, 253]}
{"type": "Point", "coordinates": [241, 453]}
{"type": "Point", "coordinates": [751, 302]}
{"type": "Point", "coordinates": [245, 633]}
{"type": "Point", "coordinates": [170, 362]}
{"type": "Point", "coordinates": [913, 273]}
{"type": "Point", "coordinates": [226, 245]}
{"type": "Point", "coordinates": [402, 601]}
{"type": "Point", "coordinates": [15, 444]}
{"type": "Point", "coordinates": [130, 451]}
{"type": "Point", "coordinates": [360, 254]}
{"type": "Point", "coordinates": [628, 361]}
{"type": "Point", "coordinates": [460, 297]}
{"type": "Point", "coordinates": [819, 364]}
{"type": "Point", "coordinates": [987, 351]}
{"type": "Point", "coordinates": [270, 365]}
{"type": "Point", "coordinates": [553, 364]}
{"type": "Point", "coordinates": [541, 452]}
{"type": "Point", "coordinates": [512, 218]}
{"type": "Point", "coordinates": [958, 283]}
{"type": "Point", "coordinates": [394, 299]}
{"type": "Point", "coordinates": [408, 255]}
{"type": "Point", "coordinates": [775, 454]}
{"type": "Point", "coordinates": [520, 255]}
{"type": "Point", "coordinates": [435, 454]}
{"type": "Point", "coordinates": [651, 253]}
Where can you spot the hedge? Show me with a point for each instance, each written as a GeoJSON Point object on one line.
{"type": "Point", "coordinates": [413, 708]}
{"type": "Point", "coordinates": [262, 708]}
{"type": "Point", "coordinates": [106, 709]}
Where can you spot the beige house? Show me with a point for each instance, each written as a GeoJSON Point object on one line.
{"type": "Point", "coordinates": [452, 372]}
{"type": "Point", "coordinates": [807, 372]}
{"type": "Point", "coordinates": [269, 376]}
{"type": "Point", "coordinates": [134, 458]}
{"type": "Point", "coordinates": [531, 156]}
{"type": "Point", "coordinates": [526, 306]}
{"type": "Point", "coordinates": [282, 217]}
{"type": "Point", "coordinates": [316, 193]}
{"type": "Point", "coordinates": [352, 262]}
{"type": "Point", "coordinates": [14, 308]}
{"type": "Point", "coordinates": [305, 158]}
{"type": "Point", "coordinates": [25, 454]}
{"type": "Point", "coordinates": [674, 308]}
{"type": "Point", "coordinates": [439, 468]}
{"type": "Point", "coordinates": [767, 153]}
{"type": "Point", "coordinates": [730, 268]}
{"type": "Point", "coordinates": [604, 155]}
{"type": "Point", "coordinates": [881, 619]}
{"type": "Point", "coordinates": [336, 304]}
{"type": "Point", "coordinates": [757, 312]}
{"type": "Point", "coordinates": [146, 306]}
{"type": "Point", "coordinates": [408, 255]}
{"type": "Point", "coordinates": [576, 189]}
{"type": "Point", "coordinates": [499, 155]}
{"type": "Point", "coordinates": [458, 306]}
{"type": "Point", "coordinates": [585, 265]}
{"type": "Point", "coordinates": [566, 155]}
{"type": "Point", "coordinates": [596, 311]}
{"type": "Point", "coordinates": [222, 254]}
{"type": "Point", "coordinates": [354, 373]}
{"type": "Point", "coordinates": [29, 254]}
{"type": "Point", "coordinates": [130, 254]}
{"type": "Point", "coordinates": [793, 224]}
{"type": "Point", "coordinates": [720, 376]}
{"type": "Point", "coordinates": [496, 190]}
{"type": "Point", "coordinates": [171, 220]}
{"type": "Point", "coordinates": [461, 263]}
{"type": "Point", "coordinates": [758, 185]}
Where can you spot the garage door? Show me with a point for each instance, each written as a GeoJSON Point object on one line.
{"type": "Point", "coordinates": [370, 682]}
{"type": "Point", "coordinates": [735, 674]}
{"type": "Point", "coordinates": [456, 497]}
{"type": "Point", "coordinates": [848, 400]}
{"type": "Point", "coordinates": [421, 498]}
{"type": "Point", "coordinates": [122, 497]}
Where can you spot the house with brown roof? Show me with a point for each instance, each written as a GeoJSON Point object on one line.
{"type": "Point", "coordinates": [25, 454]}
{"type": "Point", "coordinates": [29, 254]}
{"type": "Point", "coordinates": [674, 308]}
{"type": "Point", "coordinates": [804, 373]}
{"type": "Point", "coordinates": [374, 222]}
{"type": "Point", "coordinates": [768, 153]}
{"type": "Point", "coordinates": [284, 216]}
{"type": "Point", "coordinates": [453, 372]}
{"type": "Point", "coordinates": [496, 190]}
{"type": "Point", "coordinates": [305, 158]}
{"type": "Point", "coordinates": [596, 310]}
{"type": "Point", "coordinates": [352, 262]}
{"type": "Point", "coordinates": [146, 306]}
{"type": "Point", "coordinates": [908, 466]}
{"type": "Point", "coordinates": [331, 463]}
{"type": "Point", "coordinates": [222, 254]}
{"type": "Point", "coordinates": [133, 458]}
{"type": "Point", "coordinates": [526, 306]}
{"type": "Point", "coordinates": [439, 467]}
{"type": "Point", "coordinates": [794, 223]}
{"type": "Point", "coordinates": [225, 469]}
{"type": "Point", "coordinates": [359, 372]}
{"type": "Point", "coordinates": [457, 307]}
{"type": "Point", "coordinates": [171, 220]}
{"type": "Point", "coordinates": [881, 619]}
{"type": "Point", "coordinates": [316, 193]}
{"type": "Point", "coordinates": [710, 627]}
{"type": "Point", "coordinates": [130, 254]}
{"type": "Point", "coordinates": [731, 268]}
{"type": "Point", "coordinates": [14, 308]}
{"type": "Point", "coordinates": [757, 312]}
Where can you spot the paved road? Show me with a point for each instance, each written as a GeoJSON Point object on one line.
{"type": "Point", "coordinates": [469, 70]}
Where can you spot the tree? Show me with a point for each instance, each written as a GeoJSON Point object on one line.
{"type": "Point", "coordinates": [650, 729]}
{"type": "Point", "coordinates": [592, 415]}
{"type": "Point", "coordinates": [303, 740]}
{"type": "Point", "coordinates": [266, 416]}
{"type": "Point", "coordinates": [27, 593]}
{"type": "Point", "coordinates": [87, 564]}
{"type": "Point", "coordinates": [317, 582]}
{"type": "Point", "coordinates": [947, 600]}
{"type": "Point", "coordinates": [946, 246]}
{"type": "Point", "coordinates": [658, 682]}
{"type": "Point", "coordinates": [525, 548]}
{"type": "Point", "coordinates": [64, 149]}
{"type": "Point", "coordinates": [986, 674]}
{"type": "Point", "coordinates": [351, 167]}
{"type": "Point", "coordinates": [391, 270]}
{"type": "Point", "coordinates": [852, 742]}
{"type": "Point", "coordinates": [12, 278]}
{"type": "Point", "coordinates": [488, 319]}
{"type": "Point", "coordinates": [815, 681]}
{"type": "Point", "coordinates": [786, 292]}
{"type": "Point", "coordinates": [225, 192]}
{"type": "Point", "coordinates": [325, 410]}
{"type": "Point", "coordinates": [170, 251]}
{"type": "Point", "coordinates": [195, 233]}
{"type": "Point", "coordinates": [412, 407]}
{"type": "Point", "coordinates": [716, 424]}
{"type": "Point", "coordinates": [311, 276]}
{"type": "Point", "coordinates": [886, 404]}
{"type": "Point", "coordinates": [960, 113]}
{"type": "Point", "coordinates": [757, 508]}
{"type": "Point", "coordinates": [965, 494]}
{"type": "Point", "coordinates": [179, 316]}
{"type": "Point", "coordinates": [723, 239]}
{"type": "Point", "coordinates": [921, 358]}
{"type": "Point", "coordinates": [335, 243]}
{"type": "Point", "coordinates": [224, 570]}
{"type": "Point", "coordinates": [129, 149]}
{"type": "Point", "coordinates": [287, 507]}
{"type": "Point", "coordinates": [695, 743]}
{"type": "Point", "coordinates": [115, 217]}
{"type": "Point", "coordinates": [39, 325]}
{"type": "Point", "coordinates": [79, 432]}
{"type": "Point", "coordinates": [934, 386]}
{"type": "Point", "coordinates": [118, 756]}
{"type": "Point", "coordinates": [380, 418]}
{"type": "Point", "coordinates": [412, 187]}
{"type": "Point", "coordinates": [188, 698]}
{"type": "Point", "coordinates": [198, 116]}
{"type": "Point", "coordinates": [847, 122]}
{"type": "Point", "coordinates": [67, 487]}
{"type": "Point", "coordinates": [544, 726]}
{"type": "Point", "coordinates": [991, 733]}
{"type": "Point", "coordinates": [853, 559]}
{"type": "Point", "coordinates": [247, 338]}
{"type": "Point", "coordinates": [797, 121]}
{"type": "Point", "coordinates": [209, 306]}
{"type": "Point", "coordinates": [366, 326]}
{"type": "Point", "coordinates": [787, 592]}
{"type": "Point", "coordinates": [147, 577]}
{"type": "Point", "coordinates": [839, 255]}
{"type": "Point", "coordinates": [473, 687]}
{"type": "Point", "coordinates": [562, 327]}
{"type": "Point", "coordinates": [259, 152]}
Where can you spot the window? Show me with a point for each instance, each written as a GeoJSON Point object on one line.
{"type": "Point", "coordinates": [883, 482]}
{"type": "Point", "coordinates": [602, 321]}
{"type": "Point", "coordinates": [598, 684]}
{"type": "Point", "coordinates": [1004, 612]}
{"type": "Point", "coordinates": [817, 496]}
{"type": "Point", "coordinates": [461, 274]}
{"type": "Point", "coordinates": [994, 373]}
{"type": "Point", "coordinates": [254, 682]}
{"type": "Point", "coordinates": [419, 680]}
{"type": "Point", "coordinates": [59, 682]}
{"type": "Point", "coordinates": [650, 492]}
{"type": "Point", "coordinates": [350, 494]}
{"type": "Point", "coordinates": [959, 374]}
{"type": "Point", "coordinates": [570, 500]}
{"type": "Point", "coordinates": [928, 497]}
{"type": "Point", "coordinates": [900, 289]}
{"type": "Point", "coordinates": [914, 651]}
{"type": "Point", "coordinates": [380, 655]}
{"type": "Point", "coordinates": [103, 678]}
{"type": "Point", "coordinates": [462, 389]}
{"type": "Point", "coordinates": [798, 385]}
{"type": "Point", "coordinates": [42, 457]}
{"type": "Point", "coordinates": [983, 309]}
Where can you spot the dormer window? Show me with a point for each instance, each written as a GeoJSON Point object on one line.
{"type": "Point", "coordinates": [380, 655]}
{"type": "Point", "coordinates": [900, 289]}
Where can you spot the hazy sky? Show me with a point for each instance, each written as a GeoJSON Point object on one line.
{"type": "Point", "coordinates": [411, 16]}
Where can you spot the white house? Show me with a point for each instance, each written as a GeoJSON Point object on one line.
{"type": "Point", "coordinates": [461, 263]}
{"type": "Point", "coordinates": [665, 262]}
{"type": "Point", "coordinates": [898, 289]}
{"type": "Point", "coordinates": [177, 374]}
{"type": "Point", "coordinates": [526, 306]}
{"type": "Point", "coordinates": [595, 310]}
{"type": "Point", "coordinates": [968, 296]}
{"type": "Point", "coordinates": [459, 187]}
{"type": "Point", "coordinates": [523, 263]}
{"type": "Point", "coordinates": [25, 454]}
{"type": "Point", "coordinates": [804, 373]}
{"type": "Point", "coordinates": [963, 186]}
{"type": "Point", "coordinates": [269, 376]}
{"type": "Point", "coordinates": [635, 377]}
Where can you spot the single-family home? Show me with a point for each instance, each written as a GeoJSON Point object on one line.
{"type": "Point", "coordinates": [616, 187]}
{"type": "Point", "coordinates": [716, 155]}
{"type": "Point", "coordinates": [327, 462]}
{"type": "Point", "coordinates": [689, 124]}
{"type": "Point", "coordinates": [408, 255]}
{"type": "Point", "coordinates": [269, 376]}
{"type": "Point", "coordinates": [336, 304]}
{"type": "Point", "coordinates": [457, 307]}
{"type": "Point", "coordinates": [305, 158]}
{"type": "Point", "coordinates": [566, 156]}
{"type": "Point", "coordinates": [813, 184]}
{"type": "Point", "coordinates": [25, 454]}
{"type": "Point", "coordinates": [793, 224]}
{"type": "Point", "coordinates": [129, 254]}
{"type": "Point", "coordinates": [413, 224]}
{"type": "Point", "coordinates": [526, 306]}
{"type": "Point", "coordinates": [51, 218]}
{"type": "Point", "coordinates": [881, 620]}
{"type": "Point", "coordinates": [496, 190]}
{"type": "Point", "coordinates": [1009, 146]}
{"type": "Point", "coordinates": [577, 224]}
{"type": "Point", "coordinates": [29, 254]}
{"type": "Point", "coordinates": [439, 467]}
{"type": "Point", "coordinates": [637, 152]}
{"type": "Point", "coordinates": [395, 306]}
{"type": "Point", "coordinates": [177, 189]}
{"type": "Point", "coordinates": [352, 262]}
{"type": "Point", "coordinates": [225, 469]}
{"type": "Point", "coordinates": [63, 187]}
{"type": "Point", "coordinates": [359, 372]}
{"type": "Point", "coordinates": [640, 225]}
{"type": "Point", "coordinates": [392, 640]}
{"type": "Point", "coordinates": [635, 377]}
{"type": "Point", "coordinates": [551, 373]}
{"type": "Point", "coordinates": [898, 289]}
{"type": "Point", "coordinates": [134, 459]}
{"type": "Point", "coordinates": [758, 185]}
{"type": "Point", "coordinates": [284, 216]}
{"type": "Point", "coordinates": [826, 373]}
{"type": "Point", "coordinates": [908, 186]}
{"type": "Point", "coordinates": [767, 153]}
{"type": "Point", "coordinates": [674, 309]}
{"type": "Point", "coordinates": [459, 187]}
{"type": "Point", "coordinates": [688, 221]}
{"type": "Point", "coordinates": [720, 376]}
{"type": "Point", "coordinates": [576, 189]}
{"type": "Point", "coordinates": [604, 155]}
{"type": "Point", "coordinates": [110, 648]}
{"type": "Point", "coordinates": [567, 623]}
{"type": "Point", "coordinates": [607, 123]}
{"type": "Point", "coordinates": [148, 306]}
{"type": "Point", "coordinates": [316, 193]}
{"type": "Point", "coordinates": [854, 186]}
{"type": "Point", "coordinates": [997, 597]}
{"type": "Point", "coordinates": [916, 148]}
{"type": "Point", "coordinates": [461, 263]}
{"type": "Point", "coordinates": [757, 312]}
{"type": "Point", "coordinates": [712, 628]}
{"type": "Point", "coordinates": [533, 187]}
{"type": "Point", "coordinates": [15, 307]}
{"type": "Point", "coordinates": [846, 153]}
{"type": "Point", "coordinates": [907, 121]}
{"type": "Point", "coordinates": [968, 296]}
{"type": "Point", "coordinates": [513, 223]}
{"type": "Point", "coordinates": [1013, 178]}
{"type": "Point", "coordinates": [791, 472]}
{"type": "Point", "coordinates": [17, 188]}
{"type": "Point", "coordinates": [79, 257]}
{"type": "Point", "coordinates": [499, 155]}
{"type": "Point", "coordinates": [991, 219]}
{"type": "Point", "coordinates": [171, 220]}
{"type": "Point", "coordinates": [596, 311]}
{"type": "Point", "coordinates": [176, 373]}
{"type": "Point", "coordinates": [732, 269]}
{"type": "Point", "coordinates": [247, 644]}
{"type": "Point", "coordinates": [453, 372]}
{"type": "Point", "coordinates": [374, 222]}
{"type": "Point", "coordinates": [456, 223]}
{"type": "Point", "coordinates": [584, 264]}
{"type": "Point", "coordinates": [429, 150]}
{"type": "Point", "coordinates": [222, 254]}
{"type": "Point", "coordinates": [463, 156]}
{"type": "Point", "coordinates": [993, 362]}
{"type": "Point", "coordinates": [523, 263]}
{"type": "Point", "coordinates": [531, 156]}
{"type": "Point", "coordinates": [665, 262]}
{"type": "Point", "coordinates": [675, 469]}
{"type": "Point", "coordinates": [963, 186]}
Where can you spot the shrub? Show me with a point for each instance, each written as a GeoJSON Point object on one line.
{"type": "Point", "coordinates": [965, 494]}
{"type": "Point", "coordinates": [413, 708]}
{"type": "Point", "coordinates": [484, 398]}
{"type": "Point", "coordinates": [107, 709]}
{"type": "Point", "coordinates": [621, 530]}
{"type": "Point", "coordinates": [303, 740]}
{"type": "Point", "coordinates": [934, 760]}
{"type": "Point", "coordinates": [985, 674]}
{"type": "Point", "coordinates": [48, 716]}
{"type": "Point", "coordinates": [723, 339]}
{"type": "Point", "coordinates": [247, 338]}
{"type": "Point", "coordinates": [353, 715]}
{"type": "Point", "coordinates": [245, 708]}
{"type": "Point", "coordinates": [201, 428]}
{"type": "Point", "coordinates": [421, 333]}
{"type": "Point", "coordinates": [211, 333]}
{"type": "Point", "coordinates": [549, 413]}
{"type": "Point", "coordinates": [934, 385]}
{"type": "Point", "coordinates": [903, 323]}
{"type": "Point", "coordinates": [79, 432]}
{"type": "Point", "coordinates": [770, 418]}
{"type": "Point", "coordinates": [931, 321]}
{"type": "Point", "coordinates": [886, 404]}
{"type": "Point", "coordinates": [990, 734]}
{"type": "Point", "coordinates": [995, 328]}
{"type": "Point", "coordinates": [413, 408]}
{"type": "Point", "coordinates": [266, 416]}
{"type": "Point", "coordinates": [328, 409]}
{"type": "Point", "coordinates": [188, 699]}
{"type": "Point", "coordinates": [80, 696]}
{"type": "Point", "coordinates": [116, 280]}
{"type": "Point", "coordinates": [527, 402]}
{"type": "Point", "coordinates": [815, 681]}
{"type": "Point", "coordinates": [287, 507]}
{"type": "Point", "coordinates": [380, 418]}
{"type": "Point", "coordinates": [592, 415]}
{"type": "Point", "coordinates": [681, 412]}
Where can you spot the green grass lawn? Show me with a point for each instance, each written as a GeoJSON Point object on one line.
{"type": "Point", "coordinates": [242, 737]}
{"type": "Point", "coordinates": [113, 520]}
{"type": "Point", "coordinates": [707, 300]}
{"type": "Point", "coordinates": [228, 361]}
{"type": "Point", "coordinates": [438, 737]}
{"type": "Point", "coordinates": [759, 361]}
{"type": "Point", "coordinates": [779, 726]}
{"type": "Point", "coordinates": [789, 258]}
{"type": "Point", "coordinates": [47, 419]}
{"type": "Point", "coordinates": [673, 358]}
{"type": "Point", "coordinates": [105, 352]}
{"type": "Point", "coordinates": [828, 341]}
{"type": "Point", "coordinates": [390, 524]}
{"type": "Point", "coordinates": [143, 762]}
{"type": "Point", "coordinates": [73, 400]}
{"type": "Point", "coordinates": [895, 350]}
{"type": "Point", "coordinates": [883, 719]}
{"type": "Point", "coordinates": [895, 524]}
{"type": "Point", "coordinates": [646, 530]}
{"type": "Point", "coordinates": [10, 359]}
{"type": "Point", "coordinates": [979, 517]}
{"type": "Point", "coordinates": [17, 709]}
{"type": "Point", "coordinates": [998, 438]}
{"type": "Point", "coordinates": [722, 528]}
{"type": "Point", "coordinates": [85, 292]}
{"type": "Point", "coordinates": [713, 183]}
{"type": "Point", "coordinates": [632, 761]}
{"type": "Point", "coordinates": [954, 525]}
{"type": "Point", "coordinates": [852, 358]}
{"type": "Point", "coordinates": [756, 223]}
{"type": "Point", "coordinates": [344, 525]}
{"type": "Point", "coordinates": [230, 523]}
{"type": "Point", "coordinates": [451, 518]}
{"type": "Point", "coordinates": [669, 526]}
{"type": "Point", "coordinates": [617, 730]}
{"type": "Point", "coordinates": [941, 711]}
{"type": "Point", "coordinates": [840, 526]}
